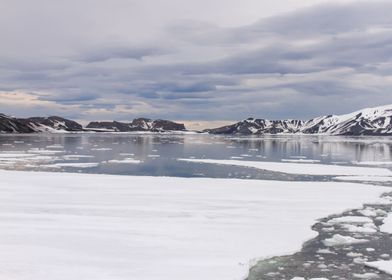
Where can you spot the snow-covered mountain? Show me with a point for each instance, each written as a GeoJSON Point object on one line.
{"type": "Point", "coordinates": [260, 126]}
{"type": "Point", "coordinates": [140, 124]}
{"type": "Point", "coordinates": [370, 121]}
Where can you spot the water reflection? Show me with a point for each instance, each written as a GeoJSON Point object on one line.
{"type": "Point", "coordinates": [156, 154]}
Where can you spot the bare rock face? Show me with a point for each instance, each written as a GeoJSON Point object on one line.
{"type": "Point", "coordinates": [13, 125]}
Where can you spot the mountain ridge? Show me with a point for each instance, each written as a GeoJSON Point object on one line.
{"type": "Point", "coordinates": [376, 121]}
{"type": "Point", "coordinates": [55, 124]}
{"type": "Point", "coordinates": [370, 121]}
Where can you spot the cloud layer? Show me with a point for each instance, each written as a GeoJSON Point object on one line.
{"type": "Point", "coordinates": [322, 59]}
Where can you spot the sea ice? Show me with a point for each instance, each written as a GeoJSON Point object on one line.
{"type": "Point", "coordinates": [300, 168]}
{"type": "Point", "coordinates": [62, 226]}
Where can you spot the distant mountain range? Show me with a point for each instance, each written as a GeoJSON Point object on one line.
{"type": "Point", "coordinates": [57, 124]}
{"type": "Point", "coordinates": [371, 121]}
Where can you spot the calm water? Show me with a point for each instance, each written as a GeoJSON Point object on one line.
{"type": "Point", "coordinates": [158, 154]}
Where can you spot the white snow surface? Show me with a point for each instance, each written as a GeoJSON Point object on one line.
{"type": "Point", "coordinates": [300, 168]}
{"type": "Point", "coordinates": [62, 226]}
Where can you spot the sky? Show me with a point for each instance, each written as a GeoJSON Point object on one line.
{"type": "Point", "coordinates": [194, 60]}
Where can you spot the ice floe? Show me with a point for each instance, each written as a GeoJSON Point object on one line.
{"type": "Point", "coordinates": [387, 226]}
{"type": "Point", "coordinates": [339, 240]}
{"type": "Point", "coordinates": [365, 178]}
{"type": "Point", "coordinates": [384, 266]}
{"type": "Point", "coordinates": [73, 164]}
{"type": "Point", "coordinates": [125, 160]}
{"type": "Point", "coordinates": [300, 168]}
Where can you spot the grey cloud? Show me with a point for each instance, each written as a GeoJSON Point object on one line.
{"type": "Point", "coordinates": [296, 65]}
{"type": "Point", "coordinates": [104, 54]}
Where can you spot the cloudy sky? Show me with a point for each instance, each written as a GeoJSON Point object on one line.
{"type": "Point", "coordinates": [193, 59]}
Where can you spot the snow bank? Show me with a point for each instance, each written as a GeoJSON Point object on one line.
{"type": "Point", "coordinates": [62, 226]}
{"type": "Point", "coordinates": [300, 168]}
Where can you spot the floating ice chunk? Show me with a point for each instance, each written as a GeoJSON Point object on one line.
{"type": "Point", "coordinates": [338, 240]}
{"type": "Point", "coordinates": [383, 266]}
{"type": "Point", "coordinates": [55, 147]}
{"type": "Point", "coordinates": [126, 160]}
{"type": "Point", "coordinates": [364, 178]}
{"type": "Point", "coordinates": [75, 164]}
{"type": "Point", "coordinates": [369, 212]}
{"type": "Point", "coordinates": [44, 152]}
{"type": "Point", "coordinates": [16, 155]}
{"type": "Point", "coordinates": [387, 226]}
{"type": "Point", "coordinates": [368, 275]}
{"type": "Point", "coordinates": [372, 162]}
{"type": "Point", "coordinates": [350, 220]}
{"type": "Point", "coordinates": [353, 228]}
{"type": "Point", "coordinates": [325, 251]}
{"type": "Point", "coordinates": [301, 160]}
{"type": "Point", "coordinates": [354, 255]}
{"type": "Point", "coordinates": [153, 156]}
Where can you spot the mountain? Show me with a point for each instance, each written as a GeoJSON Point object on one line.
{"type": "Point", "coordinates": [141, 124]}
{"type": "Point", "coordinates": [37, 124]}
{"type": "Point", "coordinates": [53, 123]}
{"type": "Point", "coordinates": [370, 121]}
{"type": "Point", "coordinates": [13, 125]}
{"type": "Point", "coordinates": [259, 126]}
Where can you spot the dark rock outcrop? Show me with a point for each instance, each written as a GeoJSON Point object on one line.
{"type": "Point", "coordinates": [13, 125]}
{"type": "Point", "coordinates": [140, 124]}
{"type": "Point", "coordinates": [37, 124]}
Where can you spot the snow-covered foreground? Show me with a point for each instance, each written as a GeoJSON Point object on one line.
{"type": "Point", "coordinates": [81, 226]}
